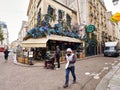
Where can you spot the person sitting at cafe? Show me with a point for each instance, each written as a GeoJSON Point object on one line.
{"type": "Point", "coordinates": [49, 63]}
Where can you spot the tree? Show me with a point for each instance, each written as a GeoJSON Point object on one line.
{"type": "Point", "coordinates": [1, 35]}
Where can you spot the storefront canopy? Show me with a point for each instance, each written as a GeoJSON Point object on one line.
{"type": "Point", "coordinates": [41, 42]}
{"type": "Point", "coordinates": [37, 42]}
{"type": "Point", "coordinates": [63, 38]}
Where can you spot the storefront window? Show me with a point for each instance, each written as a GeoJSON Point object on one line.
{"type": "Point", "coordinates": [63, 45]}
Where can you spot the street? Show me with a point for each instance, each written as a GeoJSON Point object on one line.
{"type": "Point", "coordinates": [89, 72]}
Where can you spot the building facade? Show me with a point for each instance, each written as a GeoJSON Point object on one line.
{"type": "Point", "coordinates": [37, 10]}
{"type": "Point", "coordinates": [23, 31]}
{"type": "Point", "coordinates": [58, 21]}
{"type": "Point", "coordinates": [93, 12]}
{"type": "Point", "coordinates": [84, 13]}
{"type": "Point", "coordinates": [5, 42]}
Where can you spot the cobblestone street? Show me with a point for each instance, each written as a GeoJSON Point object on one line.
{"type": "Point", "coordinates": [14, 77]}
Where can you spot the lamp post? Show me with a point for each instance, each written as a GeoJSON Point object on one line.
{"type": "Point", "coordinates": [115, 2]}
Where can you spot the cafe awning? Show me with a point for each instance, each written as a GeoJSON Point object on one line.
{"type": "Point", "coordinates": [41, 42]}
{"type": "Point", "coordinates": [63, 38]}
{"type": "Point", "coordinates": [37, 42]}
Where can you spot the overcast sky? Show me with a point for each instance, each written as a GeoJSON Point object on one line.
{"type": "Point", "coordinates": [111, 7]}
{"type": "Point", "coordinates": [14, 11]}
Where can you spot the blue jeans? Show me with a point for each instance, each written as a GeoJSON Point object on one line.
{"type": "Point", "coordinates": [72, 69]}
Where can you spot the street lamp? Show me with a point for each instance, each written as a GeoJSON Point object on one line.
{"type": "Point", "coordinates": [115, 2]}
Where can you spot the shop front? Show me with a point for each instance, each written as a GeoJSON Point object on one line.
{"type": "Point", "coordinates": [41, 45]}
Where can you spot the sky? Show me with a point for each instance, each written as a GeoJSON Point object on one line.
{"type": "Point", "coordinates": [110, 7]}
{"type": "Point", "coordinates": [12, 12]}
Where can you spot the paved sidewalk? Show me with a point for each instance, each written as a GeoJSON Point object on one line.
{"type": "Point", "coordinates": [111, 81]}
{"type": "Point", "coordinates": [41, 63]}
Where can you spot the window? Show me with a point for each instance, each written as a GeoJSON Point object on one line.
{"type": "Point", "coordinates": [68, 18]}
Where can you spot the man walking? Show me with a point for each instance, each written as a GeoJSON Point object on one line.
{"type": "Point", "coordinates": [70, 59]}
{"type": "Point", "coordinates": [57, 55]}
{"type": "Point", "coordinates": [6, 53]}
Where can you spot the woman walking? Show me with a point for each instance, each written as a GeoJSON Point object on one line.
{"type": "Point", "coordinates": [70, 59]}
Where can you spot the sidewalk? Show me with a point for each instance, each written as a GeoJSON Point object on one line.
{"type": "Point", "coordinates": [41, 63]}
{"type": "Point", "coordinates": [111, 81]}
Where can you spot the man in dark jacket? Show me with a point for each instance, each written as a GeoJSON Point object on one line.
{"type": "Point", "coordinates": [6, 53]}
{"type": "Point", "coordinates": [57, 55]}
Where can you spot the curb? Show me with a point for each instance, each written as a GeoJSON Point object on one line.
{"type": "Point", "coordinates": [26, 65]}
{"type": "Point", "coordinates": [103, 85]}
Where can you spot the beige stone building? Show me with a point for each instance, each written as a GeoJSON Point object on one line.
{"type": "Point", "coordinates": [5, 42]}
{"type": "Point", "coordinates": [22, 32]}
{"type": "Point", "coordinates": [37, 7]}
{"type": "Point", "coordinates": [14, 44]}
{"type": "Point", "coordinates": [58, 13]}
{"type": "Point", "coordinates": [119, 31]}
{"type": "Point", "coordinates": [91, 12]}
{"type": "Point", "coordinates": [111, 29]}
{"type": "Point", "coordinates": [94, 12]}
{"type": "Point", "coordinates": [83, 13]}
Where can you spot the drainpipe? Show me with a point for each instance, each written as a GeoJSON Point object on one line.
{"type": "Point", "coordinates": [79, 21]}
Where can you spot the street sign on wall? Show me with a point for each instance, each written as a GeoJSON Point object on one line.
{"type": "Point", "coordinates": [90, 28]}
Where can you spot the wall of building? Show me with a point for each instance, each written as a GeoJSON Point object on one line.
{"type": "Point", "coordinates": [22, 32]}
{"type": "Point", "coordinates": [88, 12]}
{"type": "Point", "coordinates": [4, 28]}
{"type": "Point", "coordinates": [34, 9]}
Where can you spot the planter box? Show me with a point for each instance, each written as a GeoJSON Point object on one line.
{"type": "Point", "coordinates": [23, 60]}
{"type": "Point", "coordinates": [62, 59]}
{"type": "Point", "coordinates": [82, 55]}
{"type": "Point", "coordinates": [20, 59]}
{"type": "Point", "coordinates": [26, 61]}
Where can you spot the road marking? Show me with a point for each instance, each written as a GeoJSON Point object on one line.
{"type": "Point", "coordinates": [105, 68]}
{"type": "Point", "coordinates": [87, 73]}
{"type": "Point", "coordinates": [96, 76]}
{"type": "Point", "coordinates": [93, 74]}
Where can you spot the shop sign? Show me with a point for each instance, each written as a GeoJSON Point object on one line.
{"type": "Point", "coordinates": [25, 53]}
{"type": "Point", "coordinates": [90, 28]}
{"type": "Point", "coordinates": [31, 54]}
